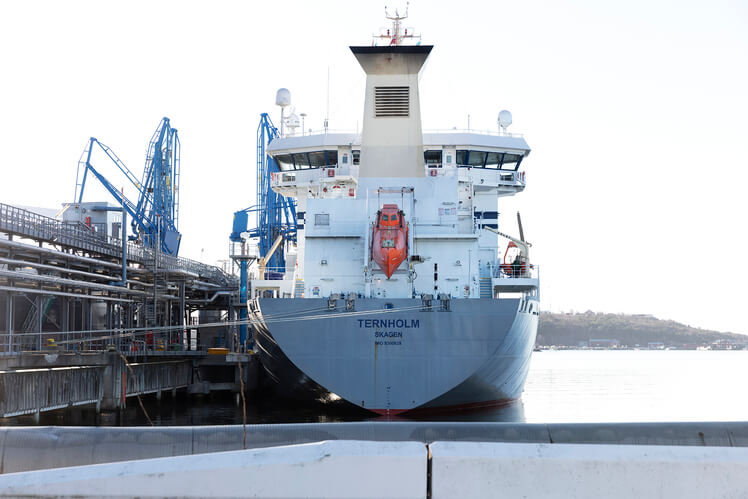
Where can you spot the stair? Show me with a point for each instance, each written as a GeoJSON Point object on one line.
{"type": "Point", "coordinates": [486, 287]}
{"type": "Point", "coordinates": [299, 289]}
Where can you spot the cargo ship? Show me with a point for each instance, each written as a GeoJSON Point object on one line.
{"type": "Point", "coordinates": [399, 293]}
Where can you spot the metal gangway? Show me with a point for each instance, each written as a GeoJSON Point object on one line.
{"type": "Point", "coordinates": [78, 236]}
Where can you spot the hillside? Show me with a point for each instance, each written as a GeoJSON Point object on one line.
{"type": "Point", "coordinates": [628, 330]}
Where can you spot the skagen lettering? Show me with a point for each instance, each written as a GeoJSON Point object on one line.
{"type": "Point", "coordinates": [389, 323]}
{"type": "Point", "coordinates": [388, 334]}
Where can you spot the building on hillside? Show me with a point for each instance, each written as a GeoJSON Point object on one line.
{"type": "Point", "coordinates": [604, 343]}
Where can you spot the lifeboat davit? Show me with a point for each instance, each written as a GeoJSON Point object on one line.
{"type": "Point", "coordinates": [389, 239]}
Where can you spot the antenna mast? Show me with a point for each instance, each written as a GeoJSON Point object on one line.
{"type": "Point", "coordinates": [327, 112]}
{"type": "Point", "coordinates": [396, 35]}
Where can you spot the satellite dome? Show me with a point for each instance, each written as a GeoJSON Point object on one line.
{"type": "Point", "coordinates": [282, 97]}
{"type": "Point", "coordinates": [505, 118]}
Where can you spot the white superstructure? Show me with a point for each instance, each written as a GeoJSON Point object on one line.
{"type": "Point", "coordinates": [447, 183]}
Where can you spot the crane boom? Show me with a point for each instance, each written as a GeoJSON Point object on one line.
{"type": "Point", "coordinates": [519, 224]}
{"type": "Point", "coordinates": [155, 214]}
{"type": "Point", "coordinates": [524, 246]}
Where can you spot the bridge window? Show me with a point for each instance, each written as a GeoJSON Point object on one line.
{"type": "Point", "coordinates": [477, 159]}
{"type": "Point", "coordinates": [433, 158]}
{"type": "Point", "coordinates": [300, 161]}
{"type": "Point", "coordinates": [284, 161]}
{"type": "Point", "coordinates": [483, 159]}
{"type": "Point", "coordinates": [511, 161]}
{"type": "Point", "coordinates": [493, 160]}
{"type": "Point", "coordinates": [306, 160]}
{"type": "Point", "coordinates": [323, 158]}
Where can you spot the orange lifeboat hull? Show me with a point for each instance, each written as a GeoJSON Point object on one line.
{"type": "Point", "coordinates": [389, 239]}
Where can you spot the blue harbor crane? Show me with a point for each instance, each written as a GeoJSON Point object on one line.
{"type": "Point", "coordinates": [275, 221]}
{"type": "Point", "coordinates": [155, 214]}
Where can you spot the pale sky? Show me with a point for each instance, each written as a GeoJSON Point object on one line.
{"type": "Point", "coordinates": [635, 111]}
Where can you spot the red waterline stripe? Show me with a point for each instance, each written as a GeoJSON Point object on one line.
{"type": "Point", "coordinates": [446, 408]}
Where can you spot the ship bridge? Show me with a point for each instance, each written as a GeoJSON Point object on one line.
{"type": "Point", "coordinates": [327, 164]}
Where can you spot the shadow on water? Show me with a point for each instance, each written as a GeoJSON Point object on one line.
{"type": "Point", "coordinates": [222, 409]}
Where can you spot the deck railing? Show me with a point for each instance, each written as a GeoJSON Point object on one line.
{"type": "Point", "coordinates": [511, 271]}
{"type": "Point", "coordinates": [25, 223]}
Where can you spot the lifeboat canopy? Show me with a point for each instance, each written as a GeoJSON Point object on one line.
{"type": "Point", "coordinates": [389, 239]}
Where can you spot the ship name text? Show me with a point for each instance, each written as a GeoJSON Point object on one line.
{"type": "Point", "coordinates": [389, 323]}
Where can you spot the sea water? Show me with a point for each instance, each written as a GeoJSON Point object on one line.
{"type": "Point", "coordinates": [571, 386]}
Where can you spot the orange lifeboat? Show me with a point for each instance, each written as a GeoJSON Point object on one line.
{"type": "Point", "coordinates": [389, 239]}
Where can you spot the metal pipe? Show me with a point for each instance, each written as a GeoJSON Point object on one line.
{"type": "Point", "coordinates": [68, 256]}
{"type": "Point", "coordinates": [69, 282]}
{"type": "Point", "coordinates": [94, 261]}
{"type": "Point", "coordinates": [242, 298]}
{"type": "Point", "coordinates": [12, 290]}
{"type": "Point", "coordinates": [64, 270]}
{"type": "Point", "coordinates": [212, 298]}
{"type": "Point", "coordinates": [123, 281]}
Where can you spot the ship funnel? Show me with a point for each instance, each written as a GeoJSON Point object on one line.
{"type": "Point", "coordinates": [392, 138]}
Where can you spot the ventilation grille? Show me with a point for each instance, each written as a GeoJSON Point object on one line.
{"type": "Point", "coordinates": [391, 101]}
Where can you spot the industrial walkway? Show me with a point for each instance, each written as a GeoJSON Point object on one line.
{"type": "Point", "coordinates": [65, 284]}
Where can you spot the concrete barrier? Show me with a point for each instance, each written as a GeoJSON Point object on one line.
{"type": "Point", "coordinates": [345, 468]}
{"type": "Point", "coordinates": [480, 469]}
{"type": "Point", "coordinates": [326, 469]}
{"type": "Point", "coordinates": [34, 448]}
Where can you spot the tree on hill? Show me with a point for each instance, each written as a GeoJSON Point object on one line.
{"type": "Point", "coordinates": [629, 330]}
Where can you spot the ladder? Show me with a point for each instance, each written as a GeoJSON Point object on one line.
{"type": "Point", "coordinates": [299, 288]}
{"type": "Point", "coordinates": [486, 286]}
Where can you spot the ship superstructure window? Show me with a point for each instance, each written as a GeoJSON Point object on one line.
{"type": "Point", "coordinates": [321, 219]}
{"type": "Point", "coordinates": [476, 159]}
{"type": "Point", "coordinates": [356, 157]}
{"type": "Point", "coordinates": [433, 158]}
{"type": "Point", "coordinates": [306, 160]}
{"type": "Point", "coordinates": [483, 159]}
{"type": "Point", "coordinates": [392, 102]}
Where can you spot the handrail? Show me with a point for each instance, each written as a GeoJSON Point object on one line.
{"type": "Point", "coordinates": [310, 132]}
{"type": "Point", "coordinates": [475, 131]}
{"type": "Point", "coordinates": [510, 271]}
{"type": "Point", "coordinates": [26, 223]}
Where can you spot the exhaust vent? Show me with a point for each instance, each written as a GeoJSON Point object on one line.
{"type": "Point", "coordinates": [391, 102]}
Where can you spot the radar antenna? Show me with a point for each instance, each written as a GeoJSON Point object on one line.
{"type": "Point", "coordinates": [397, 33]}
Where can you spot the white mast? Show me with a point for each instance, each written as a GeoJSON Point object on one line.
{"type": "Point", "coordinates": [395, 35]}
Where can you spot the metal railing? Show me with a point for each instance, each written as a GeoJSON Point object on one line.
{"type": "Point", "coordinates": [77, 235]}
{"type": "Point", "coordinates": [130, 341]}
{"type": "Point", "coordinates": [142, 378]}
{"type": "Point", "coordinates": [30, 391]}
{"type": "Point", "coordinates": [310, 132]}
{"type": "Point", "coordinates": [497, 133]}
{"type": "Point", "coordinates": [511, 271]}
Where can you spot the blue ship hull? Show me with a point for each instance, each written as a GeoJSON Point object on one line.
{"type": "Point", "coordinates": [400, 358]}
